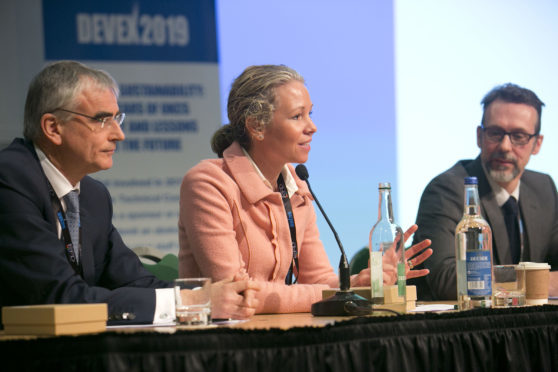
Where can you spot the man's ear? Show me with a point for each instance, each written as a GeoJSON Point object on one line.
{"type": "Point", "coordinates": [479, 136]}
{"type": "Point", "coordinates": [537, 145]}
{"type": "Point", "coordinates": [51, 128]}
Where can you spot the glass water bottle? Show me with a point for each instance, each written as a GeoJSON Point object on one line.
{"type": "Point", "coordinates": [386, 235]}
{"type": "Point", "coordinates": [473, 253]}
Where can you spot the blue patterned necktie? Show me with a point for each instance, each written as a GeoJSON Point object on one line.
{"type": "Point", "coordinates": [72, 219]}
{"type": "Point", "coordinates": [511, 213]}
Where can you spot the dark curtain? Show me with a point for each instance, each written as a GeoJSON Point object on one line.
{"type": "Point", "coordinates": [523, 339]}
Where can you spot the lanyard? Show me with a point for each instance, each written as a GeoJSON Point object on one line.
{"type": "Point", "coordinates": [68, 245]}
{"type": "Point", "coordinates": [290, 218]}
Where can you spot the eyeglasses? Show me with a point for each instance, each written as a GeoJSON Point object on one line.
{"type": "Point", "coordinates": [118, 118]}
{"type": "Point", "coordinates": [496, 135]}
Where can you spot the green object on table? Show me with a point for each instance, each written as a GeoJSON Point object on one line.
{"type": "Point", "coordinates": [359, 261]}
{"type": "Point", "coordinates": [166, 269]}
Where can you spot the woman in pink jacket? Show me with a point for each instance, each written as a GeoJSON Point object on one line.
{"type": "Point", "coordinates": [233, 210]}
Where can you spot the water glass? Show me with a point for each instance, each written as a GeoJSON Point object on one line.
{"type": "Point", "coordinates": [193, 301]}
{"type": "Point", "coordinates": [509, 286]}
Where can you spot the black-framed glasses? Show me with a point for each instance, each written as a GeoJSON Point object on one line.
{"type": "Point", "coordinates": [118, 118]}
{"type": "Point", "coordinates": [496, 135]}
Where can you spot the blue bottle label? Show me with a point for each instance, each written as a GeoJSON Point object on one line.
{"type": "Point", "coordinates": [479, 273]}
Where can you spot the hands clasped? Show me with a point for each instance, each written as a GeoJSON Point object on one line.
{"type": "Point", "coordinates": [234, 298]}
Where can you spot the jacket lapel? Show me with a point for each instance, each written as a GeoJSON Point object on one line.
{"type": "Point", "coordinates": [86, 257]}
{"type": "Point", "coordinates": [248, 181]}
{"type": "Point", "coordinates": [529, 207]}
{"type": "Point", "coordinates": [299, 197]}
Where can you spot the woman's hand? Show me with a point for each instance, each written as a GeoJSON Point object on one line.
{"type": "Point", "coordinates": [361, 279]}
{"type": "Point", "coordinates": [234, 298]}
{"type": "Point", "coordinates": [414, 256]}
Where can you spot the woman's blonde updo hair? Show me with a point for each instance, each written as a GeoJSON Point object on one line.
{"type": "Point", "coordinates": [252, 95]}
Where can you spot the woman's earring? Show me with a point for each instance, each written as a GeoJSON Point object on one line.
{"type": "Point", "coordinates": [260, 137]}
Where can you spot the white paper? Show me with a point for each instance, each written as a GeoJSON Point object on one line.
{"type": "Point", "coordinates": [433, 307]}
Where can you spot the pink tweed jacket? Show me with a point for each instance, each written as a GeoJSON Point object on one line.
{"type": "Point", "coordinates": [231, 222]}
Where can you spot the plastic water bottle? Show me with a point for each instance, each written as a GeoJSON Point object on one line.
{"type": "Point", "coordinates": [384, 236]}
{"type": "Point", "coordinates": [473, 253]}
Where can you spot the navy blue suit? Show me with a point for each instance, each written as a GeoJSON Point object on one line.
{"type": "Point", "coordinates": [34, 268]}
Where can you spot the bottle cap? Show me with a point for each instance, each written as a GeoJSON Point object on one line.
{"type": "Point", "coordinates": [471, 181]}
{"type": "Point", "coordinates": [384, 185]}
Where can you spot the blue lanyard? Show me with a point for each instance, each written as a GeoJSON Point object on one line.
{"type": "Point", "coordinates": [290, 218]}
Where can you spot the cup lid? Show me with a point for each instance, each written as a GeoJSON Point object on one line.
{"type": "Point", "coordinates": [535, 265]}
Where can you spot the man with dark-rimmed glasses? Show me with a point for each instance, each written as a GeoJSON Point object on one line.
{"type": "Point", "coordinates": [57, 241]}
{"type": "Point", "coordinates": [521, 206]}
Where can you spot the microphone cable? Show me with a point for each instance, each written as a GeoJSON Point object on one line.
{"type": "Point", "coordinates": [355, 309]}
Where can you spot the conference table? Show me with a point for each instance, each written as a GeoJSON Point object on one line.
{"type": "Point", "coordinates": [512, 339]}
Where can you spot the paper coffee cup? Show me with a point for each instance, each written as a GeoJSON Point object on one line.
{"type": "Point", "coordinates": [536, 282]}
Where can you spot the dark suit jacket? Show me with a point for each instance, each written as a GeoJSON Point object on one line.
{"type": "Point", "coordinates": [34, 268]}
{"type": "Point", "coordinates": [441, 209]}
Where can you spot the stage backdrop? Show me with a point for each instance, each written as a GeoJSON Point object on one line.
{"type": "Point", "coordinates": [164, 56]}
{"type": "Point", "coordinates": [396, 87]}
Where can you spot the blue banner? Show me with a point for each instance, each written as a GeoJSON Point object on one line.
{"type": "Point", "coordinates": [130, 30]}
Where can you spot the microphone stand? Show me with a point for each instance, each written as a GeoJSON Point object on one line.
{"type": "Point", "coordinates": [344, 301]}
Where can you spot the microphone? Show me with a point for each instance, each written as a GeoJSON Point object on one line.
{"type": "Point", "coordinates": [345, 301]}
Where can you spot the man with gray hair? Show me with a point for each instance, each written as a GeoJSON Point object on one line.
{"type": "Point", "coordinates": [520, 205]}
{"type": "Point", "coordinates": [57, 241]}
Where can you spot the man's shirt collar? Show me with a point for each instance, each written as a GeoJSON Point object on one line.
{"type": "Point", "coordinates": [59, 183]}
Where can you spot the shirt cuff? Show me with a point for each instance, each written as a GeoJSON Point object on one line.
{"type": "Point", "coordinates": [164, 306]}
